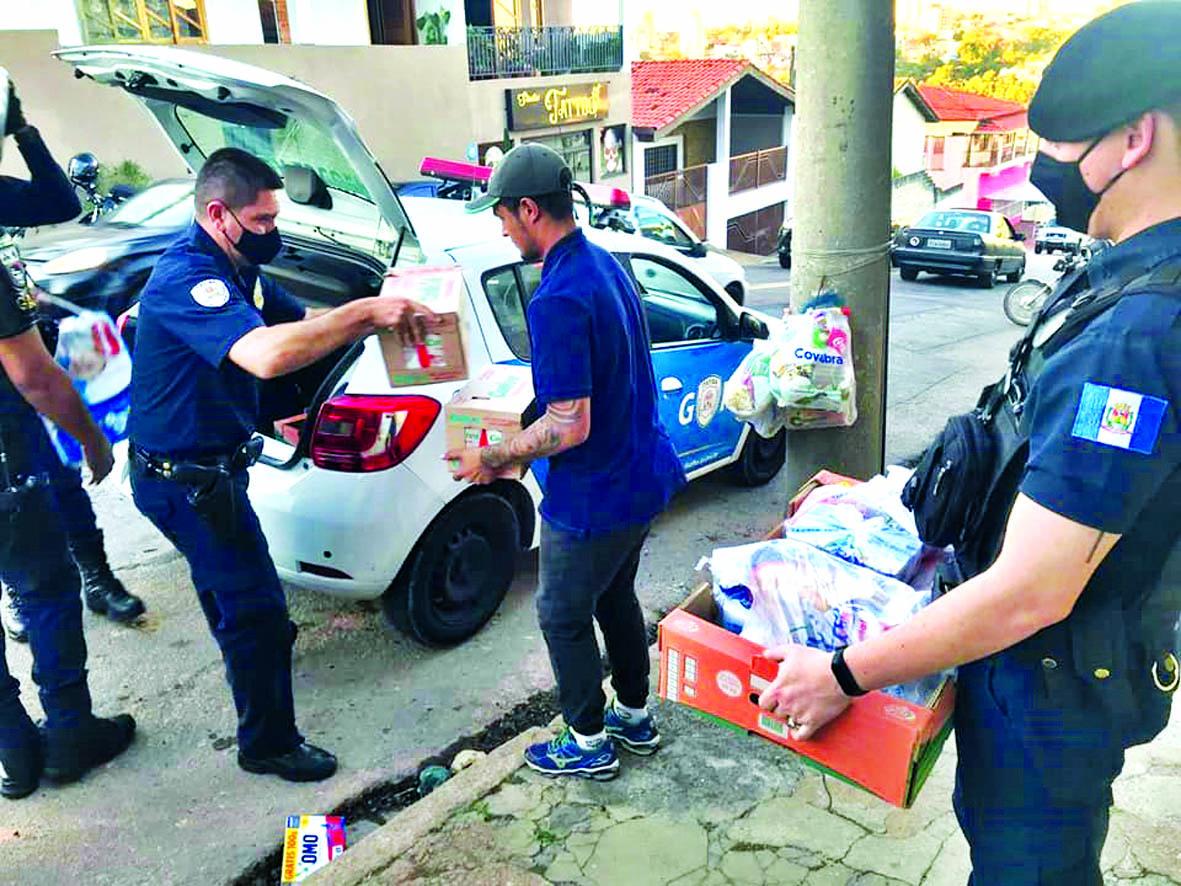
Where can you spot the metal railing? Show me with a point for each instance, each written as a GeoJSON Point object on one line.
{"type": "Point", "coordinates": [541, 52]}
{"type": "Point", "coordinates": [758, 168]}
{"type": "Point", "coordinates": [683, 191]}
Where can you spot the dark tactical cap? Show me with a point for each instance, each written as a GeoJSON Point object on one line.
{"type": "Point", "coordinates": [528, 170]}
{"type": "Point", "coordinates": [1111, 71]}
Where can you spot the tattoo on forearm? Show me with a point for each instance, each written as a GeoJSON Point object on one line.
{"type": "Point", "coordinates": [1095, 547]}
{"type": "Point", "coordinates": [545, 437]}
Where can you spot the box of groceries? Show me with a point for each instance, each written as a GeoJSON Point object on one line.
{"type": "Point", "coordinates": [713, 646]}
{"type": "Point", "coordinates": [491, 409]}
{"type": "Point", "coordinates": [439, 355]}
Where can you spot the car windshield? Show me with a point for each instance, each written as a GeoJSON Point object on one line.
{"type": "Point", "coordinates": [297, 143]}
{"type": "Point", "coordinates": [969, 222]}
{"type": "Point", "coordinates": [163, 205]}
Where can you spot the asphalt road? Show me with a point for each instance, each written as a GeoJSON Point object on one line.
{"type": "Point", "coordinates": [176, 809]}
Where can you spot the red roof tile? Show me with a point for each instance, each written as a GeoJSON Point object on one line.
{"type": "Point", "coordinates": [953, 104]}
{"type": "Point", "coordinates": [663, 91]}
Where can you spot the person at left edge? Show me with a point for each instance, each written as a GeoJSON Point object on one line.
{"type": "Point", "coordinates": [209, 328]}
{"type": "Point", "coordinates": [48, 198]}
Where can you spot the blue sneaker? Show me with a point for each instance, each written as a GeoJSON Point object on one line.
{"type": "Point", "coordinates": [641, 738]}
{"type": "Point", "coordinates": [563, 756]}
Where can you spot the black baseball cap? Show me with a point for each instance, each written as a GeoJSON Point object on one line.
{"type": "Point", "coordinates": [1111, 71]}
{"type": "Point", "coordinates": [528, 170]}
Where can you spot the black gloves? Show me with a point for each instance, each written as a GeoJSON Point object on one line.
{"type": "Point", "coordinates": [16, 118]}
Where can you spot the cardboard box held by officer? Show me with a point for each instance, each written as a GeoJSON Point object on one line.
{"type": "Point", "coordinates": [815, 582]}
{"type": "Point", "coordinates": [441, 356]}
{"type": "Point", "coordinates": [491, 409]}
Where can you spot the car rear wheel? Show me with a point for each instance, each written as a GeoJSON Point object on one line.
{"type": "Point", "coordinates": [1038, 249]}
{"type": "Point", "coordinates": [785, 260]}
{"type": "Point", "coordinates": [909, 274]}
{"type": "Point", "coordinates": [458, 575]}
{"type": "Point", "coordinates": [761, 459]}
{"type": "Point", "coordinates": [989, 279]}
{"type": "Point", "coordinates": [1016, 276]}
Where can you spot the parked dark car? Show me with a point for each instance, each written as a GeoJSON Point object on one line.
{"type": "Point", "coordinates": [965, 242]}
{"type": "Point", "coordinates": [103, 266]}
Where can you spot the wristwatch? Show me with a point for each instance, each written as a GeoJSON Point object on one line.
{"type": "Point", "coordinates": [845, 678]}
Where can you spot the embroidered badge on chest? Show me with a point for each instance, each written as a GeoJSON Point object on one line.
{"type": "Point", "coordinates": [211, 293]}
{"type": "Point", "coordinates": [259, 299]}
{"type": "Point", "coordinates": [1118, 418]}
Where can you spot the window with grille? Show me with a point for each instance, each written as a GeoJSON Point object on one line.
{"type": "Point", "coordinates": [143, 21]}
{"type": "Point", "coordinates": [658, 161]}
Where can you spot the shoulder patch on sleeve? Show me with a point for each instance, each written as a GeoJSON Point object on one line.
{"type": "Point", "coordinates": [1118, 418]}
{"type": "Point", "coordinates": [211, 293]}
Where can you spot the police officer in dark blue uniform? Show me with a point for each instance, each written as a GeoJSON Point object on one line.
{"type": "Point", "coordinates": [33, 555]}
{"type": "Point", "coordinates": [1065, 634]}
{"type": "Point", "coordinates": [209, 328]}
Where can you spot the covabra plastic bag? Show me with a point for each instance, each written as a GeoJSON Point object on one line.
{"type": "Point", "coordinates": [786, 591]}
{"type": "Point", "coordinates": [91, 351]}
{"type": "Point", "coordinates": [799, 378]}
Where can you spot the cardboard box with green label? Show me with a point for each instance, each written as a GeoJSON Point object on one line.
{"type": "Point", "coordinates": [441, 355]}
{"type": "Point", "coordinates": [491, 409]}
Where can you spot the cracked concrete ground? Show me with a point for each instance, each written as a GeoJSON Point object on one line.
{"type": "Point", "coordinates": [719, 807]}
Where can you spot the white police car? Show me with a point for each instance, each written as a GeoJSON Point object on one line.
{"type": "Point", "coordinates": [357, 501]}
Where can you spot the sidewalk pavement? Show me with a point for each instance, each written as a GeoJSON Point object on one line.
{"type": "Point", "coordinates": [716, 806]}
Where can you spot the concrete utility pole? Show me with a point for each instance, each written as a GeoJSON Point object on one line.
{"type": "Point", "coordinates": [841, 216]}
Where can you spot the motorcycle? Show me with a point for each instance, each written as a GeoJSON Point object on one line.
{"type": "Point", "coordinates": [82, 171]}
{"type": "Point", "coordinates": [1024, 300]}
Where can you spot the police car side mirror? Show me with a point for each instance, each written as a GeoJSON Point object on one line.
{"type": "Point", "coordinates": [751, 327]}
{"type": "Point", "coordinates": [698, 250]}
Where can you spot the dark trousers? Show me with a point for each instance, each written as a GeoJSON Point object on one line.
{"type": "Point", "coordinates": [244, 604]}
{"type": "Point", "coordinates": [1037, 755]}
{"type": "Point", "coordinates": [586, 579]}
{"type": "Point", "coordinates": [34, 558]}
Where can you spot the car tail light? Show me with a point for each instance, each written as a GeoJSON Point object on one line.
{"type": "Point", "coordinates": [359, 434]}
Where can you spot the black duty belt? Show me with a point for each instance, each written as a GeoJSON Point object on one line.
{"type": "Point", "coordinates": [197, 470]}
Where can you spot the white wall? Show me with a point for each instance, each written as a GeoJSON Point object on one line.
{"type": "Point", "coordinates": [232, 22]}
{"type": "Point", "coordinates": [909, 137]}
{"type": "Point", "coordinates": [328, 22]}
{"type": "Point", "coordinates": [42, 15]}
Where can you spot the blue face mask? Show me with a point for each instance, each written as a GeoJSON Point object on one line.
{"type": "Point", "coordinates": [1063, 184]}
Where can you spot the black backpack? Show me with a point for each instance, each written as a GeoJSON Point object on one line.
{"type": "Point", "coordinates": [967, 480]}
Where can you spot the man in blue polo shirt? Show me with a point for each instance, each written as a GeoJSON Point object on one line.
{"type": "Point", "coordinates": [608, 478]}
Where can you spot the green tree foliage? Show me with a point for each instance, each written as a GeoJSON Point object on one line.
{"type": "Point", "coordinates": [988, 60]}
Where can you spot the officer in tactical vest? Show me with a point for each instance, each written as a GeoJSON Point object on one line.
{"type": "Point", "coordinates": [1065, 633]}
{"type": "Point", "coordinates": [33, 552]}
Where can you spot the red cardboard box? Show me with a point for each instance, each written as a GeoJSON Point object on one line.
{"type": "Point", "coordinates": [881, 743]}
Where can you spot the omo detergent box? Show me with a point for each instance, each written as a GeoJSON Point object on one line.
{"type": "Point", "coordinates": [311, 841]}
{"type": "Point", "coordinates": [491, 409]}
{"type": "Point", "coordinates": [441, 356]}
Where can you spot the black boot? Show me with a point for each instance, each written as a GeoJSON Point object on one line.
{"type": "Point", "coordinates": [22, 770]}
{"type": "Point", "coordinates": [104, 594]}
{"type": "Point", "coordinates": [70, 754]}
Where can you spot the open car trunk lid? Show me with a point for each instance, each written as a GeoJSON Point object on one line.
{"type": "Point", "coordinates": [266, 109]}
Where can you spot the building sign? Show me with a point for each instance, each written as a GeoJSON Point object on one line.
{"type": "Point", "coordinates": [556, 105]}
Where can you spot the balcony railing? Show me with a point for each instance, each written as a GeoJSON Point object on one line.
{"type": "Point", "coordinates": [759, 168]}
{"type": "Point", "coordinates": [543, 52]}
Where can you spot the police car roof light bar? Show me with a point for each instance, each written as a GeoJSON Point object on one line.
{"type": "Point", "coordinates": [454, 170]}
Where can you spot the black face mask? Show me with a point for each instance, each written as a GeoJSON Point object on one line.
{"type": "Point", "coordinates": [1063, 185]}
{"type": "Point", "coordinates": [258, 249]}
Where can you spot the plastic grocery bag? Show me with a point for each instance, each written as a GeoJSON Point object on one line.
{"type": "Point", "coordinates": [865, 524]}
{"type": "Point", "coordinates": [91, 351]}
{"type": "Point", "coordinates": [786, 591]}
{"type": "Point", "coordinates": [800, 377]}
